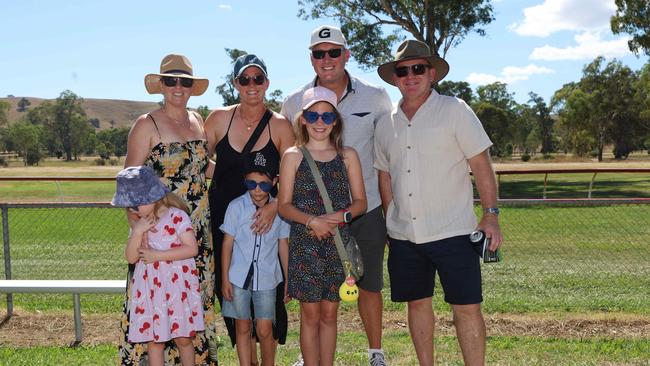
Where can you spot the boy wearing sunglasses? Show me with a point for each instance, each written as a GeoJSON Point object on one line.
{"type": "Point", "coordinates": [360, 105]}
{"type": "Point", "coordinates": [249, 263]}
{"type": "Point", "coordinates": [424, 151]}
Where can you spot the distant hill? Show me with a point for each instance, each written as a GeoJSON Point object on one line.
{"type": "Point", "coordinates": [123, 112]}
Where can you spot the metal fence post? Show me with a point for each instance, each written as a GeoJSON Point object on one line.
{"type": "Point", "coordinates": [5, 240]}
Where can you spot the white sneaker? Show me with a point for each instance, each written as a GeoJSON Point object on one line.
{"type": "Point", "coordinates": [300, 362]}
{"type": "Point", "coordinates": [377, 359]}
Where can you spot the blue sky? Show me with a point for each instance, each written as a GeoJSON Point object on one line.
{"type": "Point", "coordinates": [103, 49]}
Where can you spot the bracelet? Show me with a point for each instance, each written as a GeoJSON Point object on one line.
{"type": "Point", "coordinates": [308, 221]}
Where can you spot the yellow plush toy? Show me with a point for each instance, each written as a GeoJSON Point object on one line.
{"type": "Point", "coordinates": [349, 291]}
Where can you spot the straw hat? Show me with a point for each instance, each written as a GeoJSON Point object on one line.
{"type": "Point", "coordinates": [175, 66]}
{"type": "Point", "coordinates": [413, 49]}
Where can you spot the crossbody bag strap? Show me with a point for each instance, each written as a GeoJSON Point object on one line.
{"type": "Point", "coordinates": [318, 178]}
{"type": "Point", "coordinates": [256, 134]}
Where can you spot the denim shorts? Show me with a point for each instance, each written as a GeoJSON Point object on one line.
{"type": "Point", "coordinates": [240, 306]}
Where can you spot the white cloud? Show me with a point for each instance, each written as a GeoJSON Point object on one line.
{"type": "Point", "coordinates": [558, 15]}
{"type": "Point", "coordinates": [509, 75]}
{"type": "Point", "coordinates": [225, 7]}
{"type": "Point", "coordinates": [589, 46]}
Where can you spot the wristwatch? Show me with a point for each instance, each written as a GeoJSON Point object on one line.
{"type": "Point", "coordinates": [491, 210]}
{"type": "Point", "coordinates": [347, 216]}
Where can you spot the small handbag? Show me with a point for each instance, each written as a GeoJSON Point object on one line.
{"type": "Point", "coordinates": [348, 251]}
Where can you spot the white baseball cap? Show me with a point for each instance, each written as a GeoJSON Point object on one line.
{"type": "Point", "coordinates": [317, 94]}
{"type": "Point", "coordinates": [327, 34]}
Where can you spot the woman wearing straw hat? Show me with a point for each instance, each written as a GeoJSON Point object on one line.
{"type": "Point", "coordinates": [171, 141]}
{"type": "Point", "coordinates": [232, 133]}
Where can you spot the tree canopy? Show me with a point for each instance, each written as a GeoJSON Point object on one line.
{"type": "Point", "coordinates": [373, 27]}
{"type": "Point", "coordinates": [633, 17]}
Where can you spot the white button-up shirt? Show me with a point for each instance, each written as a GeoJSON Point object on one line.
{"type": "Point", "coordinates": [260, 251]}
{"type": "Point", "coordinates": [426, 158]}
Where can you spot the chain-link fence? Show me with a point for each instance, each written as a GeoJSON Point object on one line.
{"type": "Point", "coordinates": [569, 255]}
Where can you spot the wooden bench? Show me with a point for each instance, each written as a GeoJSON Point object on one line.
{"type": "Point", "coordinates": [74, 287]}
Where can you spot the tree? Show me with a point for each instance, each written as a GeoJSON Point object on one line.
{"type": "Point", "coordinates": [229, 94]}
{"type": "Point", "coordinates": [114, 140]}
{"type": "Point", "coordinates": [4, 108]}
{"type": "Point", "coordinates": [23, 104]}
{"type": "Point", "coordinates": [601, 106]}
{"type": "Point", "coordinates": [633, 17]}
{"type": "Point", "coordinates": [204, 111]}
{"type": "Point", "coordinates": [70, 125]}
{"type": "Point", "coordinates": [458, 89]}
{"type": "Point", "coordinates": [495, 108]}
{"type": "Point", "coordinates": [441, 24]}
{"type": "Point", "coordinates": [26, 140]}
{"type": "Point", "coordinates": [227, 90]}
{"type": "Point", "coordinates": [544, 122]}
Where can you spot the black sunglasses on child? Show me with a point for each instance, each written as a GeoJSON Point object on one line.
{"type": "Point", "coordinates": [333, 53]}
{"type": "Point", "coordinates": [264, 186]}
{"type": "Point", "coordinates": [258, 79]}
{"type": "Point", "coordinates": [418, 69]}
{"type": "Point", "coordinates": [312, 117]}
{"type": "Point", "coordinates": [171, 81]}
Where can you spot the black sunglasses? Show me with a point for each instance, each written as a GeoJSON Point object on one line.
{"type": "Point", "coordinates": [172, 81]}
{"type": "Point", "coordinates": [327, 117]}
{"type": "Point", "coordinates": [258, 79]}
{"type": "Point", "coordinates": [418, 69]}
{"type": "Point", "coordinates": [264, 186]}
{"type": "Point", "coordinates": [333, 53]}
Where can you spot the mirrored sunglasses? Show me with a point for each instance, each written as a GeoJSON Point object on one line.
{"type": "Point", "coordinates": [327, 117]}
{"type": "Point", "coordinates": [258, 79]}
{"type": "Point", "coordinates": [333, 53]}
{"type": "Point", "coordinates": [264, 186]}
{"type": "Point", "coordinates": [172, 81]}
{"type": "Point", "coordinates": [418, 69]}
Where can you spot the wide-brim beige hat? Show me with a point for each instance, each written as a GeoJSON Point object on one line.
{"type": "Point", "coordinates": [175, 66]}
{"type": "Point", "coordinates": [414, 49]}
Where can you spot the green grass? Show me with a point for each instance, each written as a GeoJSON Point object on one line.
{"type": "Point", "coordinates": [351, 351]}
{"type": "Point", "coordinates": [570, 259]}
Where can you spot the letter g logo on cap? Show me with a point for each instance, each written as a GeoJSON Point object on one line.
{"type": "Point", "coordinates": [324, 33]}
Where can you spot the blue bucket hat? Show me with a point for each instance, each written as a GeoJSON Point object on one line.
{"type": "Point", "coordinates": [136, 186]}
{"type": "Point", "coordinates": [245, 61]}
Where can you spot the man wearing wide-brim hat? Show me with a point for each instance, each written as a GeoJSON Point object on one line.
{"type": "Point", "coordinates": [423, 151]}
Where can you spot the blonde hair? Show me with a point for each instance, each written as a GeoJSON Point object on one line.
{"type": "Point", "coordinates": [170, 200]}
{"type": "Point", "coordinates": [302, 136]}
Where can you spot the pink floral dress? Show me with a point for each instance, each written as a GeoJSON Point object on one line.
{"type": "Point", "coordinates": [165, 296]}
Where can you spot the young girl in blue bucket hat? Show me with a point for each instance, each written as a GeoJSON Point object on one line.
{"type": "Point", "coordinates": [165, 296]}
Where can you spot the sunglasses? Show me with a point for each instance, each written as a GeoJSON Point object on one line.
{"type": "Point", "coordinates": [264, 186]}
{"type": "Point", "coordinates": [327, 117]}
{"type": "Point", "coordinates": [418, 69]}
{"type": "Point", "coordinates": [133, 208]}
{"type": "Point", "coordinates": [333, 53]}
{"type": "Point", "coordinates": [258, 79]}
{"type": "Point", "coordinates": [172, 81]}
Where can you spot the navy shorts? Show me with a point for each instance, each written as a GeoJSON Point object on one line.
{"type": "Point", "coordinates": [412, 269]}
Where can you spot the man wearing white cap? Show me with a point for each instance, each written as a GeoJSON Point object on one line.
{"type": "Point", "coordinates": [361, 105]}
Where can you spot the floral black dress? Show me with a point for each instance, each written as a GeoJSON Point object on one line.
{"type": "Point", "coordinates": [315, 270]}
{"type": "Point", "coordinates": [181, 167]}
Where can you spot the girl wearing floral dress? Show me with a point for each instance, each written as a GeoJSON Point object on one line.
{"type": "Point", "coordinates": [315, 270]}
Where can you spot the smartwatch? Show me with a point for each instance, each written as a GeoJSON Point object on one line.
{"type": "Point", "coordinates": [347, 216]}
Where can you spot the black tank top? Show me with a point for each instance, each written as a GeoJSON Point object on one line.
{"type": "Point", "coordinates": [228, 178]}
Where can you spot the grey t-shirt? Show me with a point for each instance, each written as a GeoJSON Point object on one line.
{"type": "Point", "coordinates": [361, 107]}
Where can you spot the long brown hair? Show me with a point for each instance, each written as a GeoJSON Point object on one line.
{"type": "Point", "coordinates": [302, 136]}
{"type": "Point", "coordinates": [170, 200]}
